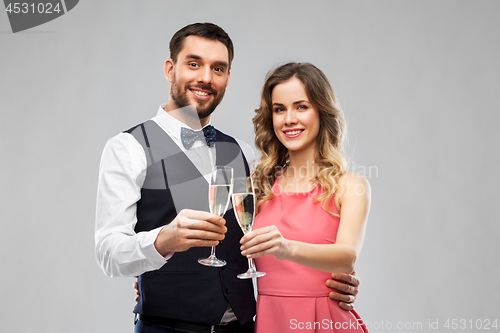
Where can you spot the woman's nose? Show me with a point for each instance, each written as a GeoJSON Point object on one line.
{"type": "Point", "coordinates": [290, 118]}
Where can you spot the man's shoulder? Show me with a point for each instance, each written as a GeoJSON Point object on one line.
{"type": "Point", "coordinates": [227, 136]}
{"type": "Point", "coordinates": [243, 144]}
{"type": "Point", "coordinates": [148, 132]}
{"type": "Point", "coordinates": [146, 123]}
{"type": "Point", "coordinates": [122, 140]}
{"type": "Point", "coordinates": [133, 128]}
{"type": "Point", "coordinates": [223, 136]}
{"type": "Point", "coordinates": [245, 148]}
{"type": "Point", "coordinates": [130, 138]}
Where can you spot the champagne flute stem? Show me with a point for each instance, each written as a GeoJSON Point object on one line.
{"type": "Point", "coordinates": [251, 265]}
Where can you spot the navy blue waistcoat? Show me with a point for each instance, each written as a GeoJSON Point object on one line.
{"type": "Point", "coordinates": [183, 289]}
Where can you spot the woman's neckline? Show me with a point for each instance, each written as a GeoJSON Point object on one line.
{"type": "Point", "coordinates": [279, 191]}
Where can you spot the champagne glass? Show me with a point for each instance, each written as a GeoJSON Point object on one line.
{"type": "Point", "coordinates": [244, 209]}
{"type": "Point", "coordinates": [219, 194]}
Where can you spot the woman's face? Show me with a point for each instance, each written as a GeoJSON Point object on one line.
{"type": "Point", "coordinates": [295, 120]}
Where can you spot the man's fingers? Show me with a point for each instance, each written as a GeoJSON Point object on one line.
{"type": "Point", "coordinates": [205, 226]}
{"type": "Point", "coordinates": [201, 220]}
{"type": "Point", "coordinates": [137, 294]}
{"type": "Point", "coordinates": [342, 286]}
{"type": "Point", "coordinates": [189, 216]}
{"type": "Point", "coordinates": [186, 232]}
{"type": "Point", "coordinates": [342, 297]}
{"type": "Point", "coordinates": [201, 243]}
{"type": "Point", "coordinates": [346, 306]}
{"type": "Point", "coordinates": [195, 234]}
{"type": "Point", "coordinates": [353, 280]}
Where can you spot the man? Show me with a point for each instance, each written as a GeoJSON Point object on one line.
{"type": "Point", "coordinates": [152, 217]}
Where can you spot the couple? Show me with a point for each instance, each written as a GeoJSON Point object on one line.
{"type": "Point", "coordinates": [152, 215]}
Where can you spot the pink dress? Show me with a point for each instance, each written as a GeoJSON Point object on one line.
{"type": "Point", "coordinates": [293, 297]}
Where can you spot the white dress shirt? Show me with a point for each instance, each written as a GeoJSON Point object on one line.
{"type": "Point", "coordinates": [119, 249]}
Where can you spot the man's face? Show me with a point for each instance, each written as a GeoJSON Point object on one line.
{"type": "Point", "coordinates": [200, 75]}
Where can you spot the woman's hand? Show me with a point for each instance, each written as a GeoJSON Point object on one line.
{"type": "Point", "coordinates": [264, 241]}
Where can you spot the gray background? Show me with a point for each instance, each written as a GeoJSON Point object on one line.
{"type": "Point", "coordinates": [419, 84]}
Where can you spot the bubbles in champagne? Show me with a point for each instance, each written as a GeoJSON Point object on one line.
{"type": "Point", "coordinates": [244, 207]}
{"type": "Point", "coordinates": [218, 199]}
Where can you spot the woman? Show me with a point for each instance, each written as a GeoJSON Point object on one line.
{"type": "Point", "coordinates": [312, 213]}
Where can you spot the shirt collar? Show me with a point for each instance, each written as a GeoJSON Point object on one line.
{"type": "Point", "coordinates": [170, 124]}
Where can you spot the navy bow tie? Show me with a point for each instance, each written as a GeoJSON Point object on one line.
{"type": "Point", "coordinates": [188, 136]}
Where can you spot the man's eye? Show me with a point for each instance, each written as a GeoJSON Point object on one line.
{"type": "Point", "coordinates": [218, 69]}
{"type": "Point", "coordinates": [193, 65]}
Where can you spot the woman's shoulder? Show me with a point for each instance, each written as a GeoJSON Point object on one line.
{"type": "Point", "coordinates": [351, 177]}
{"type": "Point", "coordinates": [353, 183]}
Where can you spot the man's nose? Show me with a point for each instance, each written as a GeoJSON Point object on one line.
{"type": "Point", "coordinates": [205, 75]}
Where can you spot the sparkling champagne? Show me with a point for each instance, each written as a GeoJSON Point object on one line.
{"type": "Point", "coordinates": [218, 198]}
{"type": "Point", "coordinates": [244, 206]}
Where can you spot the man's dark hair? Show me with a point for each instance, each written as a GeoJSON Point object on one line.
{"type": "Point", "coordinates": [205, 30]}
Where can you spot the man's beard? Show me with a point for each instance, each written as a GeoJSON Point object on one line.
{"type": "Point", "coordinates": [204, 108]}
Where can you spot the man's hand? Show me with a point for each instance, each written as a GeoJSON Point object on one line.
{"type": "Point", "coordinates": [136, 288]}
{"type": "Point", "coordinates": [190, 228]}
{"type": "Point", "coordinates": [346, 283]}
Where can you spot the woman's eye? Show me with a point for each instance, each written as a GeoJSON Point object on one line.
{"type": "Point", "coordinates": [277, 110]}
{"type": "Point", "coordinates": [302, 107]}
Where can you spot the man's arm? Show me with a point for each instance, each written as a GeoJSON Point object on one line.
{"type": "Point", "coordinates": [345, 289]}
{"type": "Point", "coordinates": [119, 250]}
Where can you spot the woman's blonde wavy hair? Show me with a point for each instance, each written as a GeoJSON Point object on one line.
{"type": "Point", "coordinates": [329, 142]}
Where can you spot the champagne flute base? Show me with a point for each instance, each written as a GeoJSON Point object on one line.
{"type": "Point", "coordinates": [212, 262]}
{"type": "Point", "coordinates": [250, 274]}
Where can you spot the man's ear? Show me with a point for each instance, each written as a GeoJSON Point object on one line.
{"type": "Point", "coordinates": [168, 69]}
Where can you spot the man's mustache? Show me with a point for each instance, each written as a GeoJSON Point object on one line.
{"type": "Point", "coordinates": [203, 87]}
